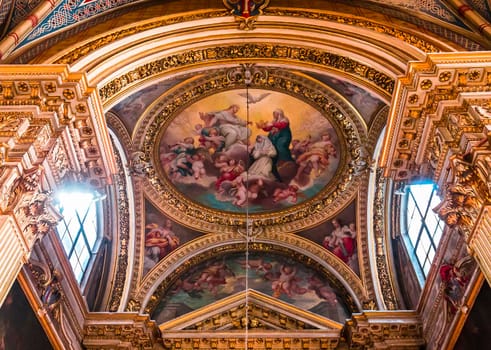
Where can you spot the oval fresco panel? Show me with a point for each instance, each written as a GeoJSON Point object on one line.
{"type": "Point", "coordinates": [293, 151]}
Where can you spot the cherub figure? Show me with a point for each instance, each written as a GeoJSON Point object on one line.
{"type": "Point", "coordinates": [287, 283]}
{"type": "Point", "coordinates": [210, 138]}
{"type": "Point", "coordinates": [229, 170]}
{"type": "Point", "coordinates": [280, 194]}
{"type": "Point", "coordinates": [197, 165]}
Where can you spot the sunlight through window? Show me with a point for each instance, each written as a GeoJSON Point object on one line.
{"type": "Point", "coordinates": [78, 230]}
{"type": "Point", "coordinates": [423, 226]}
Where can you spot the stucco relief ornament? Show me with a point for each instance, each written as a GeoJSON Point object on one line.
{"type": "Point", "coordinates": [249, 231]}
{"type": "Point", "coordinates": [246, 11]}
{"type": "Point", "coordinates": [461, 204]}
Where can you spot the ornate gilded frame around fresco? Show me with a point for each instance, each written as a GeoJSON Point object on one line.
{"type": "Point", "coordinates": [336, 195]}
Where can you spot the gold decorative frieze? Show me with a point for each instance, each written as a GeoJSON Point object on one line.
{"type": "Point", "coordinates": [225, 53]}
{"type": "Point", "coordinates": [122, 264]}
{"type": "Point", "coordinates": [385, 330]}
{"type": "Point", "coordinates": [412, 39]}
{"type": "Point", "coordinates": [37, 105]}
{"type": "Point", "coordinates": [261, 341]}
{"type": "Point", "coordinates": [381, 259]}
{"type": "Point", "coordinates": [115, 331]}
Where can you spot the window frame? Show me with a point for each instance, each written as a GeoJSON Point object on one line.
{"type": "Point", "coordinates": [421, 259]}
{"type": "Point", "coordinates": [64, 233]}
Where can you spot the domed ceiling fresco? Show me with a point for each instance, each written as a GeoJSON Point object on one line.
{"type": "Point", "coordinates": [246, 152]}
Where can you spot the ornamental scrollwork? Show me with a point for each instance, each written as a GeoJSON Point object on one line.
{"type": "Point", "coordinates": [245, 52]}
{"type": "Point", "coordinates": [463, 197]}
{"type": "Point", "coordinates": [49, 286]}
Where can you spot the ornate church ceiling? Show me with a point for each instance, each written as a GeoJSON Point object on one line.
{"type": "Point", "coordinates": [245, 151]}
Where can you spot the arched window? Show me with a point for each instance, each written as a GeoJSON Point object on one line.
{"type": "Point", "coordinates": [423, 226]}
{"type": "Point", "coordinates": [79, 229]}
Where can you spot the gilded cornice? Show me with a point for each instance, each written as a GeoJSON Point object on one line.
{"type": "Point", "coordinates": [270, 313]}
{"type": "Point", "coordinates": [120, 330]}
{"type": "Point", "coordinates": [61, 102]}
{"type": "Point", "coordinates": [385, 330]}
{"type": "Point", "coordinates": [410, 38]}
{"type": "Point", "coordinates": [443, 82]}
{"type": "Point", "coordinates": [265, 322]}
{"type": "Point", "coordinates": [247, 52]}
{"type": "Point", "coordinates": [332, 198]}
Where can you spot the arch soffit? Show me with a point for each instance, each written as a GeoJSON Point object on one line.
{"type": "Point", "coordinates": [386, 49]}
{"type": "Point", "coordinates": [164, 274]}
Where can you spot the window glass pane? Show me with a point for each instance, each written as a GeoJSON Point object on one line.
{"type": "Point", "coordinates": [78, 229]}
{"type": "Point", "coordinates": [421, 194]}
{"type": "Point", "coordinates": [431, 222]}
{"type": "Point", "coordinates": [90, 226]}
{"type": "Point", "coordinates": [79, 246]}
{"type": "Point", "coordinates": [424, 227]}
{"type": "Point", "coordinates": [84, 258]}
{"type": "Point", "coordinates": [420, 254]}
{"type": "Point", "coordinates": [413, 221]}
{"type": "Point", "coordinates": [424, 241]}
{"type": "Point", "coordinates": [67, 242]}
{"type": "Point", "coordinates": [431, 254]}
{"type": "Point", "coordinates": [426, 267]}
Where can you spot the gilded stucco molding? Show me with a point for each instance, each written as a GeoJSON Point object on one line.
{"type": "Point", "coordinates": [442, 81]}
{"type": "Point", "coordinates": [120, 331]}
{"type": "Point", "coordinates": [61, 103]}
{"type": "Point", "coordinates": [439, 129]}
{"type": "Point", "coordinates": [93, 45]}
{"type": "Point", "coordinates": [262, 321]}
{"type": "Point", "coordinates": [341, 189]}
{"type": "Point", "coordinates": [385, 330]}
{"type": "Point", "coordinates": [122, 263]}
{"type": "Point", "coordinates": [271, 314]}
{"type": "Point", "coordinates": [225, 53]}
{"type": "Point", "coordinates": [410, 38]}
{"type": "Point", "coordinates": [382, 249]}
